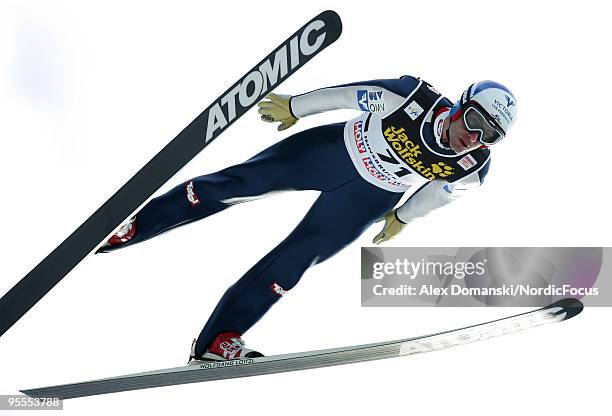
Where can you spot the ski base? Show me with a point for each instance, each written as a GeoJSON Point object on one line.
{"type": "Point", "coordinates": [208, 371]}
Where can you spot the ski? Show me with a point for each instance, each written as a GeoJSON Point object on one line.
{"type": "Point", "coordinates": [287, 58]}
{"type": "Point", "coordinates": [208, 371]}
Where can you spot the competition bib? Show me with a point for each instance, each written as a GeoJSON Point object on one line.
{"type": "Point", "coordinates": [407, 152]}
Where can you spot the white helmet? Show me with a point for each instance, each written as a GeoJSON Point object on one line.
{"type": "Point", "coordinates": [487, 107]}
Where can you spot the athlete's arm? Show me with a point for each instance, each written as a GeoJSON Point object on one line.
{"type": "Point", "coordinates": [436, 194]}
{"type": "Point", "coordinates": [430, 196]}
{"type": "Point", "coordinates": [377, 96]}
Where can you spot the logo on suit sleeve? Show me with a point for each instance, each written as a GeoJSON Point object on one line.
{"type": "Point", "coordinates": [467, 162]}
{"type": "Point", "coordinates": [276, 288]}
{"type": "Point", "coordinates": [358, 135]}
{"type": "Point", "coordinates": [371, 101]}
{"type": "Point", "coordinates": [413, 110]}
{"type": "Point", "coordinates": [191, 194]}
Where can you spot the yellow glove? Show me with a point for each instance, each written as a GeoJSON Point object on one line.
{"type": "Point", "coordinates": [277, 109]}
{"type": "Point", "coordinates": [391, 228]}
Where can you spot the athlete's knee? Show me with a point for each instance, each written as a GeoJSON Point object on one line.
{"type": "Point", "coordinates": [329, 243]}
{"type": "Point", "coordinates": [212, 187]}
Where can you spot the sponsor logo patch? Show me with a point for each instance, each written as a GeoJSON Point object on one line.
{"type": "Point", "coordinates": [358, 134]}
{"type": "Point", "coordinates": [231, 363]}
{"type": "Point", "coordinates": [369, 165]}
{"type": "Point", "coordinates": [439, 127]}
{"type": "Point", "coordinates": [276, 288]}
{"type": "Point", "coordinates": [502, 110]}
{"type": "Point", "coordinates": [264, 78]}
{"type": "Point", "coordinates": [191, 195]}
{"type": "Point", "coordinates": [413, 110]}
{"type": "Point", "coordinates": [371, 101]}
{"type": "Point", "coordinates": [373, 170]}
{"type": "Point", "coordinates": [466, 162]}
{"type": "Point", "coordinates": [409, 152]}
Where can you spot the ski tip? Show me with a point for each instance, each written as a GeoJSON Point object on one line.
{"type": "Point", "coordinates": [332, 19]}
{"type": "Point", "coordinates": [570, 306]}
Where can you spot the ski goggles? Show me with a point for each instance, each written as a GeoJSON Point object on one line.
{"type": "Point", "coordinates": [479, 121]}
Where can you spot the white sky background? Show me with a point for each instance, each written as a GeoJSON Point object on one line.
{"type": "Point", "coordinates": [90, 91]}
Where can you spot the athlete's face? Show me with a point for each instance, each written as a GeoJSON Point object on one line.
{"type": "Point", "coordinates": [459, 138]}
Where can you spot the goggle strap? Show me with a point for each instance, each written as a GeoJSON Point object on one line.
{"type": "Point", "coordinates": [457, 115]}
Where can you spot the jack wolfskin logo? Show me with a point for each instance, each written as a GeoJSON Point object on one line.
{"type": "Point", "coordinates": [442, 169]}
{"type": "Point", "coordinates": [410, 153]}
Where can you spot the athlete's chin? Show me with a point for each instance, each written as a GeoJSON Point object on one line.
{"type": "Point", "coordinates": [457, 148]}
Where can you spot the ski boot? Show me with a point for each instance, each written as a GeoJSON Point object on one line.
{"type": "Point", "coordinates": [123, 235]}
{"type": "Point", "coordinates": [225, 347]}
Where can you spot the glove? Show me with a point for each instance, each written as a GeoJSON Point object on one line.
{"type": "Point", "coordinates": [391, 228]}
{"type": "Point", "coordinates": [277, 109]}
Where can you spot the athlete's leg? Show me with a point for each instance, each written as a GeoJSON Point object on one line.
{"type": "Point", "coordinates": [312, 159]}
{"type": "Point", "coordinates": [336, 218]}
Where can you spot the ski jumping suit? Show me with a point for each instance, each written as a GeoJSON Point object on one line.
{"type": "Point", "coordinates": [361, 167]}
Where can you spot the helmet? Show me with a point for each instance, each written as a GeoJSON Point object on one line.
{"type": "Point", "coordinates": [488, 108]}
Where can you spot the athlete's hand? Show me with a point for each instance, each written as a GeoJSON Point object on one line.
{"type": "Point", "coordinates": [391, 228]}
{"type": "Point", "coordinates": [275, 108]}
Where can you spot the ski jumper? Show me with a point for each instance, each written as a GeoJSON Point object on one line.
{"type": "Point", "coordinates": [361, 167]}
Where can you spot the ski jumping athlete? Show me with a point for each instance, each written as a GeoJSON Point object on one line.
{"type": "Point", "coordinates": [409, 138]}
